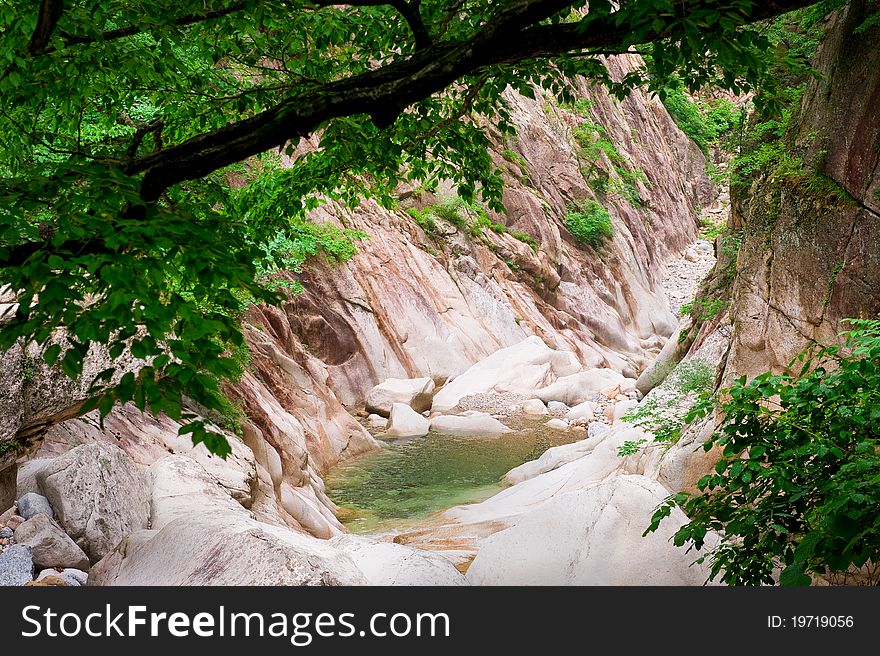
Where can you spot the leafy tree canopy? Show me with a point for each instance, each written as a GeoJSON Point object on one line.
{"type": "Point", "coordinates": [120, 120]}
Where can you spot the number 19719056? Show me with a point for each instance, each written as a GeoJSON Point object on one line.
{"type": "Point", "coordinates": [810, 621]}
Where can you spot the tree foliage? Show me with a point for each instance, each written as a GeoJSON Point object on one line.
{"type": "Point", "coordinates": [120, 121]}
{"type": "Point", "coordinates": [797, 488]}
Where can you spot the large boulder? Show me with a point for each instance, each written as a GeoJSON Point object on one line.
{"type": "Point", "coordinates": [51, 547]}
{"type": "Point", "coordinates": [27, 476]}
{"type": "Point", "coordinates": [16, 565]}
{"type": "Point", "coordinates": [591, 536]}
{"type": "Point", "coordinates": [577, 388]}
{"type": "Point", "coordinates": [406, 422]}
{"type": "Point", "coordinates": [99, 496]}
{"type": "Point", "coordinates": [414, 392]}
{"type": "Point", "coordinates": [478, 423]}
{"type": "Point", "coordinates": [386, 563]}
{"type": "Point", "coordinates": [519, 369]}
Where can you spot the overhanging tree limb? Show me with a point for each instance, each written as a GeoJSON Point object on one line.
{"type": "Point", "coordinates": [511, 36]}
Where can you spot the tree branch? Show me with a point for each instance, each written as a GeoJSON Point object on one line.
{"type": "Point", "coordinates": [409, 11]}
{"type": "Point", "coordinates": [47, 20]}
{"type": "Point", "coordinates": [511, 36]}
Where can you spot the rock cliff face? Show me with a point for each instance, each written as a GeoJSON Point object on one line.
{"type": "Point", "coordinates": [414, 304]}
{"type": "Point", "coordinates": [421, 304]}
{"type": "Point", "coordinates": [809, 254]}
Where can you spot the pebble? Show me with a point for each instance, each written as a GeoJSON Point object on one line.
{"type": "Point", "coordinates": [6, 532]}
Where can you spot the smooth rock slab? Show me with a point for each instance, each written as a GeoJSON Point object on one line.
{"type": "Point", "coordinates": [386, 563]}
{"type": "Point", "coordinates": [32, 504]}
{"type": "Point", "coordinates": [16, 566]}
{"type": "Point", "coordinates": [475, 424]}
{"type": "Point", "coordinates": [201, 536]}
{"type": "Point", "coordinates": [50, 546]}
{"type": "Point", "coordinates": [99, 495]}
{"type": "Point", "coordinates": [577, 388]}
{"type": "Point", "coordinates": [518, 369]}
{"type": "Point", "coordinates": [591, 536]}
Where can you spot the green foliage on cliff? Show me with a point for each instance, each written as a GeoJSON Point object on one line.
{"type": "Point", "coordinates": [125, 121]}
{"type": "Point", "coordinates": [706, 122]}
{"type": "Point", "coordinates": [798, 485]}
{"type": "Point", "coordinates": [589, 222]}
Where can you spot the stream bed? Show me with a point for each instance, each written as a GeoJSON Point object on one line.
{"type": "Point", "coordinates": [411, 479]}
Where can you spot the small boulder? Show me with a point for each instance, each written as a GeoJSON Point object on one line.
{"type": "Point", "coordinates": [611, 392]}
{"type": "Point", "coordinates": [377, 421]}
{"type": "Point", "coordinates": [16, 565]}
{"type": "Point", "coordinates": [417, 393]}
{"type": "Point", "coordinates": [475, 424]}
{"type": "Point", "coordinates": [70, 576]}
{"type": "Point", "coordinates": [583, 410]}
{"type": "Point", "coordinates": [406, 422]}
{"type": "Point", "coordinates": [557, 424]}
{"type": "Point", "coordinates": [4, 518]}
{"type": "Point", "coordinates": [534, 407]}
{"type": "Point", "coordinates": [50, 546]}
{"type": "Point", "coordinates": [32, 504]}
{"type": "Point", "coordinates": [556, 406]}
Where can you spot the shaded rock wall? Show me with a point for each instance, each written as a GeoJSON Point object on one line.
{"type": "Point", "coordinates": [809, 255]}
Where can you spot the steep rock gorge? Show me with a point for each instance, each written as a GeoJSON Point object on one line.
{"type": "Point", "coordinates": [418, 304]}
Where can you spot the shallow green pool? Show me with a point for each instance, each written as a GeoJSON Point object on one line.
{"type": "Point", "coordinates": [412, 479]}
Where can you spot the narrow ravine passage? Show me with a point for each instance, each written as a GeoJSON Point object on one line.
{"type": "Point", "coordinates": [411, 481]}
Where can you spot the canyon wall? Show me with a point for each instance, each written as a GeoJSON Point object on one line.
{"type": "Point", "coordinates": [809, 255]}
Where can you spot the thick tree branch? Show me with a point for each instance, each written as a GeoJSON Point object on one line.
{"type": "Point", "coordinates": [511, 36]}
{"type": "Point", "coordinates": [47, 20]}
{"type": "Point", "coordinates": [409, 11]}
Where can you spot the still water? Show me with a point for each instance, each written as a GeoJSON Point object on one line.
{"type": "Point", "coordinates": [411, 479]}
